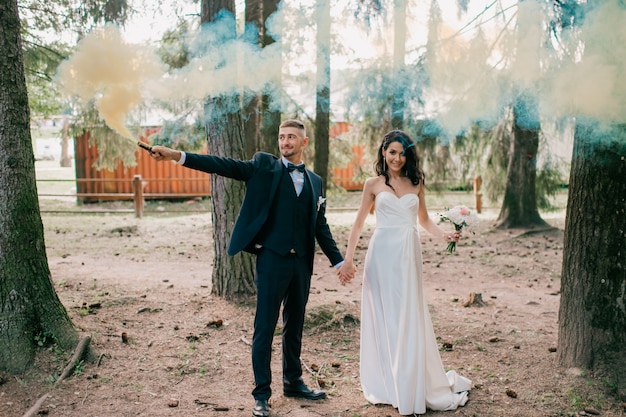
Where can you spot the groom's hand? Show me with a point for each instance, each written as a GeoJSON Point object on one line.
{"type": "Point", "coordinates": [346, 273]}
{"type": "Point", "coordinates": [162, 153]}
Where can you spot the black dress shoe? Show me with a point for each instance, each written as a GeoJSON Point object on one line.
{"type": "Point", "coordinates": [302, 391]}
{"type": "Point", "coordinates": [261, 409]}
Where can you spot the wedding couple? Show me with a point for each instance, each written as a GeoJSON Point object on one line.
{"type": "Point", "coordinates": [281, 218]}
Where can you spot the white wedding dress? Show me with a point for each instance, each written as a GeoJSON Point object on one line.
{"type": "Point", "coordinates": [400, 362]}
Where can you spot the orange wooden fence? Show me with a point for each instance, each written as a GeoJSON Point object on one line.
{"type": "Point", "coordinates": [345, 177]}
{"type": "Point", "coordinates": [160, 180]}
{"type": "Point", "coordinates": [166, 180]}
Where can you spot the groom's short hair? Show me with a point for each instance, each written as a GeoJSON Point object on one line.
{"type": "Point", "coordinates": [294, 123]}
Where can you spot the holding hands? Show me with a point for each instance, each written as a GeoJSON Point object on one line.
{"type": "Point", "coordinates": [346, 272]}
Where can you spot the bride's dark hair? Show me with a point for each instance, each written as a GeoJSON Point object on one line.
{"type": "Point", "coordinates": [411, 168]}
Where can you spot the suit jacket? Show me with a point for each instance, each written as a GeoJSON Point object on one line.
{"type": "Point", "coordinates": [262, 176]}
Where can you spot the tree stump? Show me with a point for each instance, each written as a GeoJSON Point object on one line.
{"type": "Point", "coordinates": [474, 299]}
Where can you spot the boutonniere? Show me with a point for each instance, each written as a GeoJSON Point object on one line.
{"type": "Point", "coordinates": [320, 200]}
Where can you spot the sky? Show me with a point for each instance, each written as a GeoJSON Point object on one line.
{"type": "Point", "coordinates": [472, 73]}
{"type": "Point", "coordinates": [147, 25]}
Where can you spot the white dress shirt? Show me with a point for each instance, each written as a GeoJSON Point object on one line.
{"type": "Point", "coordinates": [296, 176]}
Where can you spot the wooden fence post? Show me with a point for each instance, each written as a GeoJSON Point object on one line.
{"type": "Point", "coordinates": [478, 197]}
{"type": "Point", "coordinates": [138, 195]}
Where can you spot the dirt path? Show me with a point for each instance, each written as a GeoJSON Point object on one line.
{"type": "Point", "coordinates": [150, 280]}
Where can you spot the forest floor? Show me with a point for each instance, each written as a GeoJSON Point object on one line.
{"type": "Point", "coordinates": [163, 345]}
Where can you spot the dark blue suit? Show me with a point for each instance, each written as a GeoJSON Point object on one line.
{"type": "Point", "coordinates": [274, 223]}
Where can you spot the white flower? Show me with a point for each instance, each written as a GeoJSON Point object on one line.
{"type": "Point", "coordinates": [321, 200]}
{"type": "Point", "coordinates": [460, 217]}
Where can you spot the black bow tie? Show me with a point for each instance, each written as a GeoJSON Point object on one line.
{"type": "Point", "coordinates": [291, 167]}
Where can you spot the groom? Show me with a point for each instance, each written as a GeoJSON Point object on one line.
{"type": "Point", "coordinates": [282, 215]}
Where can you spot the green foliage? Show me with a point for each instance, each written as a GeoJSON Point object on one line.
{"type": "Point", "coordinates": [48, 341]}
{"type": "Point", "coordinates": [365, 10]}
{"type": "Point", "coordinates": [371, 103]}
{"type": "Point", "coordinates": [79, 367]}
{"type": "Point", "coordinates": [567, 15]}
{"type": "Point", "coordinates": [40, 64]}
{"type": "Point", "coordinates": [181, 135]}
{"type": "Point", "coordinates": [42, 56]}
{"type": "Point", "coordinates": [435, 160]}
{"type": "Point", "coordinates": [173, 49]}
{"type": "Point", "coordinates": [45, 339]}
{"type": "Point", "coordinates": [611, 385]}
{"type": "Point", "coordinates": [44, 99]}
{"type": "Point", "coordinates": [41, 60]}
{"type": "Point", "coordinates": [548, 183]}
{"type": "Point", "coordinates": [72, 16]}
{"type": "Point", "coordinates": [485, 153]}
{"type": "Point", "coordinates": [370, 99]}
{"type": "Point", "coordinates": [112, 147]}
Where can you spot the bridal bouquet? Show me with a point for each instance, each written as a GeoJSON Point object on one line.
{"type": "Point", "coordinates": [460, 217]}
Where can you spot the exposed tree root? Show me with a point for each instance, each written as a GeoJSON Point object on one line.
{"type": "Point", "coordinates": [537, 231]}
{"type": "Point", "coordinates": [35, 408]}
{"type": "Point", "coordinates": [80, 350]}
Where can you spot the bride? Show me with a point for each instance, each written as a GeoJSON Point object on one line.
{"type": "Point", "coordinates": [399, 358]}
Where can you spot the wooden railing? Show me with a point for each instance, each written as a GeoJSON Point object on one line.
{"type": "Point", "coordinates": [137, 186]}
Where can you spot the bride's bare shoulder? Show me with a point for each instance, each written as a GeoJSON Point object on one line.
{"type": "Point", "coordinates": [375, 180]}
{"type": "Point", "coordinates": [373, 183]}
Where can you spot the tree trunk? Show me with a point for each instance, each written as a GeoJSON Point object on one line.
{"type": "Point", "coordinates": [270, 101]}
{"type": "Point", "coordinates": [519, 207]}
{"type": "Point", "coordinates": [262, 113]}
{"type": "Point", "coordinates": [66, 160]}
{"type": "Point", "coordinates": [28, 303]}
{"type": "Point", "coordinates": [252, 125]}
{"type": "Point", "coordinates": [270, 116]}
{"type": "Point", "coordinates": [399, 51]}
{"type": "Point", "coordinates": [252, 100]}
{"type": "Point", "coordinates": [233, 277]}
{"type": "Point", "coordinates": [592, 315]}
{"type": "Point", "coordinates": [322, 105]}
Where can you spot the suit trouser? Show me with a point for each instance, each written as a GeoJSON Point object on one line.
{"type": "Point", "coordinates": [279, 280]}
